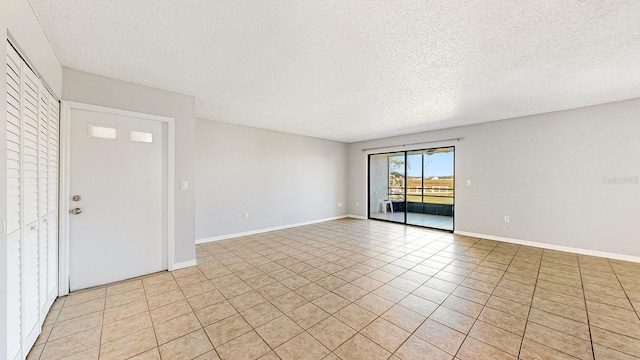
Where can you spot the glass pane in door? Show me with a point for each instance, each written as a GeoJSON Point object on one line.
{"type": "Point", "coordinates": [430, 195]}
{"type": "Point", "coordinates": [387, 187]}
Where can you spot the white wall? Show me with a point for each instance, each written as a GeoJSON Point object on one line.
{"type": "Point", "coordinates": [18, 22]}
{"type": "Point", "coordinates": [98, 90]}
{"type": "Point", "coordinates": [545, 172]}
{"type": "Point", "coordinates": [279, 179]}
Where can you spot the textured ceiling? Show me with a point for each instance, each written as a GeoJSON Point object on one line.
{"type": "Point", "coordinates": [358, 70]}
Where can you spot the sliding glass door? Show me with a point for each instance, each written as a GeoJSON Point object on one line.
{"type": "Point", "coordinates": [414, 187]}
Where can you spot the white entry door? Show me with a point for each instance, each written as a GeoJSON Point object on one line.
{"type": "Point", "coordinates": [117, 225]}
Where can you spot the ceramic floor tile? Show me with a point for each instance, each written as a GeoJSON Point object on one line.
{"type": "Point", "coordinates": [385, 334]}
{"type": "Point", "coordinates": [197, 288]}
{"type": "Point", "coordinates": [69, 327]}
{"type": "Point", "coordinates": [562, 324]}
{"type": "Point", "coordinates": [216, 312]}
{"type": "Point", "coordinates": [176, 327]}
{"type": "Point", "coordinates": [503, 320]}
{"type": "Point", "coordinates": [125, 327]}
{"type": "Point", "coordinates": [261, 314]}
{"type": "Point", "coordinates": [168, 312]}
{"type": "Point", "coordinates": [227, 329]}
{"type": "Point", "coordinates": [331, 303]}
{"type": "Point", "coordinates": [72, 344]}
{"type": "Point", "coordinates": [289, 301]}
{"type": "Point", "coordinates": [417, 304]}
{"type": "Point", "coordinates": [311, 291]}
{"type": "Point", "coordinates": [622, 343]}
{"type": "Point", "coordinates": [210, 355]}
{"type": "Point", "coordinates": [84, 296]}
{"type": "Point", "coordinates": [415, 348]}
{"type": "Point", "coordinates": [532, 350]}
{"type": "Point", "coordinates": [603, 352]}
{"type": "Point", "coordinates": [403, 317]}
{"type": "Point", "coordinates": [302, 347]}
{"type": "Point", "coordinates": [440, 336]}
{"type": "Point", "coordinates": [331, 332]}
{"type": "Point", "coordinates": [308, 315]}
{"type": "Point", "coordinates": [278, 331]}
{"type": "Point", "coordinates": [75, 311]}
{"type": "Point", "coordinates": [453, 319]}
{"type": "Point", "coordinates": [375, 303]}
{"type": "Point", "coordinates": [205, 299]}
{"type": "Point", "coordinates": [129, 346]}
{"type": "Point", "coordinates": [153, 354]}
{"type": "Point", "coordinates": [125, 286]}
{"type": "Point", "coordinates": [473, 349]}
{"type": "Point", "coordinates": [186, 347]}
{"type": "Point", "coordinates": [496, 337]}
{"type": "Point", "coordinates": [124, 298]}
{"type": "Point", "coordinates": [355, 316]}
{"type": "Point", "coordinates": [361, 348]}
{"type": "Point", "coordinates": [558, 340]}
{"type": "Point", "coordinates": [164, 298]}
{"type": "Point", "coordinates": [246, 300]}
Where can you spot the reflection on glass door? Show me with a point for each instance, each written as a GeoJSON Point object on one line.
{"type": "Point", "coordinates": [420, 187]}
{"type": "Point", "coordinates": [386, 187]}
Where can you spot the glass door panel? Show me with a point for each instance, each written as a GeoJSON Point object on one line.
{"type": "Point", "coordinates": [434, 207]}
{"type": "Point", "coordinates": [387, 187]}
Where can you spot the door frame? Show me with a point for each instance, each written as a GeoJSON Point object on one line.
{"type": "Point", "coordinates": [65, 176]}
{"type": "Point", "coordinates": [405, 153]}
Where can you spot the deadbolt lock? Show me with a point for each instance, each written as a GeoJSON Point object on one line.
{"type": "Point", "coordinates": [76, 198]}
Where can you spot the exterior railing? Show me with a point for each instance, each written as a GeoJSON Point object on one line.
{"type": "Point", "coordinates": [426, 195]}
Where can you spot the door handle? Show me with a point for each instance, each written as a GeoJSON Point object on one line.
{"type": "Point", "coordinates": [75, 211]}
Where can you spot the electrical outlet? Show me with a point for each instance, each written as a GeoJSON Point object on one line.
{"type": "Point", "coordinates": [184, 185]}
{"type": "Point", "coordinates": [357, 204]}
{"type": "Point", "coordinates": [246, 215]}
{"type": "Point", "coordinates": [325, 205]}
{"type": "Point", "coordinates": [339, 204]}
{"type": "Point", "coordinates": [506, 219]}
{"type": "Point", "coordinates": [468, 182]}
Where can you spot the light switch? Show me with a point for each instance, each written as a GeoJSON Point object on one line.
{"type": "Point", "coordinates": [184, 185]}
{"type": "Point", "coordinates": [468, 182]}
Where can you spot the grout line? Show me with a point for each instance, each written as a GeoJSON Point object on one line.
{"type": "Point", "coordinates": [535, 287]}
{"type": "Point", "coordinates": [637, 311]}
{"type": "Point", "coordinates": [586, 309]}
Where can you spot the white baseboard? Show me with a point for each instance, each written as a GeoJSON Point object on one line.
{"type": "Point", "coordinates": [264, 230]}
{"type": "Point", "coordinates": [588, 252]}
{"type": "Point", "coordinates": [357, 217]}
{"type": "Point", "coordinates": [184, 264]}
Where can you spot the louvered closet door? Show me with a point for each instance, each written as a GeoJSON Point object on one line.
{"type": "Point", "coordinates": [52, 198]}
{"type": "Point", "coordinates": [32, 205]}
{"type": "Point", "coordinates": [14, 239]}
{"type": "Point", "coordinates": [43, 180]}
{"type": "Point", "coordinates": [30, 246]}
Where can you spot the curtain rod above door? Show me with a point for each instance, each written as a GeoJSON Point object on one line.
{"type": "Point", "coordinates": [418, 143]}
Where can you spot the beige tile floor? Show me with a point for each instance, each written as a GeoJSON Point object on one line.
{"type": "Point", "coordinates": [355, 289]}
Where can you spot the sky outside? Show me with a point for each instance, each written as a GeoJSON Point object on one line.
{"type": "Point", "coordinates": [438, 164]}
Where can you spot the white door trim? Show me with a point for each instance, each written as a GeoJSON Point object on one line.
{"type": "Point", "coordinates": [65, 173]}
